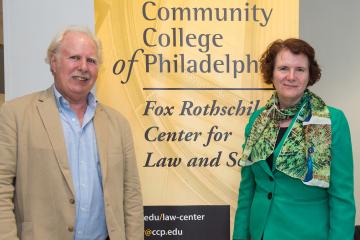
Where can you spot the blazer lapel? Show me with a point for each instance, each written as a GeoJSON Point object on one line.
{"type": "Point", "coordinates": [101, 131]}
{"type": "Point", "coordinates": [266, 168]}
{"type": "Point", "coordinates": [50, 117]}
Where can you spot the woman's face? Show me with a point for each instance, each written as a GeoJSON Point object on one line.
{"type": "Point", "coordinates": [290, 77]}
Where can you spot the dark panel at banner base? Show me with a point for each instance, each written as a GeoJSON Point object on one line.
{"type": "Point", "coordinates": [187, 222]}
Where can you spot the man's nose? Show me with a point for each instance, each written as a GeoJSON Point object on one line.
{"type": "Point", "coordinates": [83, 65]}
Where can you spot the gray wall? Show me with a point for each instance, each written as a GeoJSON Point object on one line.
{"type": "Point", "coordinates": [28, 29]}
{"type": "Point", "coordinates": [332, 28]}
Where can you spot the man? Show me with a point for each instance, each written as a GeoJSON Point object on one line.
{"type": "Point", "coordinates": [67, 164]}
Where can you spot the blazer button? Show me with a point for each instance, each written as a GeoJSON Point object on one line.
{"type": "Point", "coordinates": [270, 195]}
{"type": "Point", "coordinates": [271, 178]}
{"type": "Point", "coordinates": [71, 200]}
{"type": "Point", "coordinates": [70, 228]}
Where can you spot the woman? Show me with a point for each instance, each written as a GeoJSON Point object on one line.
{"type": "Point", "coordinates": [297, 175]}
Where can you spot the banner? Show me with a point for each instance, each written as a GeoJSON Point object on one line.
{"type": "Point", "coordinates": [186, 76]}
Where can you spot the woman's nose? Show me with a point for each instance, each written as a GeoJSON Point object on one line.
{"type": "Point", "coordinates": [291, 75]}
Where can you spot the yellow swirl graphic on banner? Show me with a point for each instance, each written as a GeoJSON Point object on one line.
{"type": "Point", "coordinates": [186, 76]}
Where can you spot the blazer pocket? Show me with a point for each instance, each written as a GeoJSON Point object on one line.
{"type": "Point", "coordinates": [27, 231]}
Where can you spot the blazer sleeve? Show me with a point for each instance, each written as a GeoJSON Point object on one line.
{"type": "Point", "coordinates": [341, 188]}
{"type": "Point", "coordinates": [8, 154]}
{"type": "Point", "coordinates": [133, 205]}
{"type": "Point", "coordinates": [246, 194]}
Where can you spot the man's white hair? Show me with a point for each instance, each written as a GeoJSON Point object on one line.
{"type": "Point", "coordinates": [56, 42]}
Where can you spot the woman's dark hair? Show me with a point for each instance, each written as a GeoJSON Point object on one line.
{"type": "Point", "coordinates": [296, 46]}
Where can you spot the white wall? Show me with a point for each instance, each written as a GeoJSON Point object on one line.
{"type": "Point", "coordinates": [332, 28]}
{"type": "Point", "coordinates": [28, 29]}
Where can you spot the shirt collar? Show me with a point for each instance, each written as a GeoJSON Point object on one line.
{"type": "Point", "coordinates": [62, 103]}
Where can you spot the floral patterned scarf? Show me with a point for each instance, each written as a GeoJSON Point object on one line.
{"type": "Point", "coordinates": [305, 154]}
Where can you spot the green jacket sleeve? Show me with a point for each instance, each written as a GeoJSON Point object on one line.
{"type": "Point", "coordinates": [341, 189]}
{"type": "Point", "coordinates": [246, 194]}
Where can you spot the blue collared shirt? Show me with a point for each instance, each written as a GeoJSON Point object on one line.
{"type": "Point", "coordinates": [83, 159]}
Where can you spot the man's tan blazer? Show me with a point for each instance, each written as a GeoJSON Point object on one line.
{"type": "Point", "coordinates": [36, 188]}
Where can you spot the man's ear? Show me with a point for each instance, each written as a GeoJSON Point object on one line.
{"type": "Point", "coordinates": [53, 63]}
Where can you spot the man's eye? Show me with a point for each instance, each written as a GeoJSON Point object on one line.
{"type": "Point", "coordinates": [75, 57]}
{"type": "Point", "coordinates": [282, 68]}
{"type": "Point", "coordinates": [301, 69]}
{"type": "Point", "coordinates": [91, 60]}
